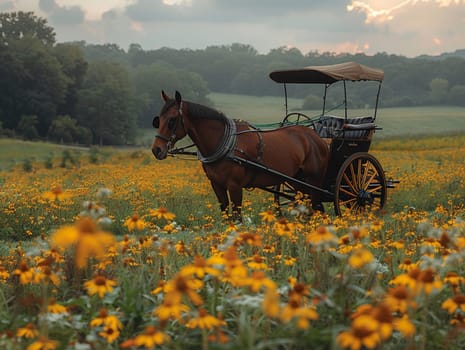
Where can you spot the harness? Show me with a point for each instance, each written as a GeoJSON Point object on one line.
{"type": "Point", "coordinates": [227, 146]}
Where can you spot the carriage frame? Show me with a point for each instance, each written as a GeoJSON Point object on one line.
{"type": "Point", "coordinates": [355, 179]}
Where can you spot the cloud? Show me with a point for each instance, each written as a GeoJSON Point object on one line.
{"type": "Point", "coordinates": [67, 15]}
{"type": "Point", "coordinates": [6, 6]}
{"type": "Point", "coordinates": [47, 5]}
{"type": "Point", "coordinates": [407, 27]}
{"type": "Point", "coordinates": [379, 13]}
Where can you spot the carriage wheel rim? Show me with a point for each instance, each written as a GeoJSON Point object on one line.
{"type": "Point", "coordinates": [360, 184]}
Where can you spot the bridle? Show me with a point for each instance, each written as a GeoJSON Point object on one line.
{"type": "Point", "coordinates": [171, 126]}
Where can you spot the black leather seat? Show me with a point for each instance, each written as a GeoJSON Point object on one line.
{"type": "Point", "coordinates": [331, 127]}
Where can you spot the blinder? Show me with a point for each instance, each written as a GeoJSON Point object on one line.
{"type": "Point", "coordinates": [156, 122]}
{"type": "Point", "coordinates": [172, 123]}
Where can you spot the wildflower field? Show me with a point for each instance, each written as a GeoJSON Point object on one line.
{"type": "Point", "coordinates": [111, 249]}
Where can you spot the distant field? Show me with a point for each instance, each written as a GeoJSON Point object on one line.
{"type": "Point", "coordinates": [415, 121]}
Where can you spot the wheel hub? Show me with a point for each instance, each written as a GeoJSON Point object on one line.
{"type": "Point", "coordinates": [364, 198]}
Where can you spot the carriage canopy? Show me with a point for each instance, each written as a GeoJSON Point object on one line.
{"type": "Point", "coordinates": [328, 74]}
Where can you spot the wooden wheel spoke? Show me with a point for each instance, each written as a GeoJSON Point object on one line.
{"type": "Point", "coordinates": [353, 194]}
{"type": "Point", "coordinates": [346, 203]}
{"type": "Point", "coordinates": [373, 190]}
{"type": "Point", "coordinates": [349, 182]}
{"type": "Point", "coordinates": [352, 176]}
{"type": "Point", "coordinates": [370, 180]}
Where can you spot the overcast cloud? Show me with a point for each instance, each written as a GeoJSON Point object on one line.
{"type": "Point", "coordinates": [406, 27]}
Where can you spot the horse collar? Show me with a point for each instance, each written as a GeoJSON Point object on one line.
{"type": "Point", "coordinates": [225, 148]}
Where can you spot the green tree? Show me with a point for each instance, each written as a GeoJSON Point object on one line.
{"type": "Point", "coordinates": [456, 95]}
{"type": "Point", "coordinates": [18, 25]}
{"type": "Point", "coordinates": [149, 80]}
{"type": "Point", "coordinates": [74, 67]}
{"type": "Point", "coordinates": [105, 104]}
{"type": "Point", "coordinates": [32, 81]}
{"type": "Point", "coordinates": [27, 127]}
{"type": "Point", "coordinates": [438, 90]}
{"type": "Point", "coordinates": [65, 129]}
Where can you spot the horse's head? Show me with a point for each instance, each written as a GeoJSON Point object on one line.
{"type": "Point", "coordinates": [169, 124]}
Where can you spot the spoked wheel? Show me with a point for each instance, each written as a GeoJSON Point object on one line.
{"type": "Point", "coordinates": [296, 118]}
{"type": "Point", "coordinates": [360, 184]}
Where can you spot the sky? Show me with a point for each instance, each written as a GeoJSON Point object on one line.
{"type": "Point", "coordinates": [403, 27]}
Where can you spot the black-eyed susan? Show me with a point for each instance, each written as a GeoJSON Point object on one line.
{"type": "Point", "coordinates": [183, 284]}
{"type": "Point", "coordinates": [4, 274]}
{"type": "Point", "coordinates": [55, 308]}
{"type": "Point", "coordinates": [105, 319]}
{"type": "Point", "coordinates": [268, 216]}
{"type": "Point", "coordinates": [24, 272]}
{"type": "Point", "coordinates": [44, 274]}
{"type": "Point", "coordinates": [271, 304]}
{"type": "Point", "coordinates": [360, 258]}
{"type": "Point", "coordinates": [257, 262]}
{"type": "Point", "coordinates": [86, 238]}
{"type": "Point", "coordinates": [205, 321]}
{"type": "Point", "coordinates": [400, 299]}
{"type": "Point", "coordinates": [257, 280]}
{"type": "Point", "coordinates": [56, 193]}
{"type": "Point", "coordinates": [29, 331]}
{"type": "Point", "coordinates": [43, 343]}
{"type": "Point", "coordinates": [322, 238]}
{"type": "Point", "coordinates": [405, 326]}
{"type": "Point", "coordinates": [171, 308]}
{"type": "Point", "coordinates": [110, 334]}
{"type": "Point", "coordinates": [454, 280]}
{"type": "Point", "coordinates": [135, 223]}
{"type": "Point", "coordinates": [99, 285]}
{"type": "Point", "coordinates": [162, 213]}
{"type": "Point", "coordinates": [199, 268]}
{"type": "Point", "coordinates": [454, 304]}
{"type": "Point", "coordinates": [151, 338]}
{"type": "Point", "coordinates": [362, 334]}
{"type": "Point", "coordinates": [407, 265]}
{"type": "Point", "coordinates": [296, 309]}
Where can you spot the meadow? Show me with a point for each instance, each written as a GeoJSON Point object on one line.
{"type": "Point", "coordinates": [110, 249]}
{"type": "Point", "coordinates": [106, 248]}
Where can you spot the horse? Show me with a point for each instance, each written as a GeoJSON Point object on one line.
{"type": "Point", "coordinates": [296, 151]}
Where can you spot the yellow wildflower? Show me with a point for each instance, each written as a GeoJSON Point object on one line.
{"type": "Point", "coordinates": [162, 213]}
{"type": "Point", "coordinates": [43, 343]}
{"type": "Point", "coordinates": [87, 239]}
{"type": "Point", "coordinates": [135, 223]}
{"type": "Point", "coordinates": [25, 273]}
{"type": "Point", "coordinates": [99, 285]}
{"type": "Point", "coordinates": [363, 333]}
{"type": "Point", "coordinates": [456, 303]}
{"type": "Point", "coordinates": [205, 321]}
{"type": "Point", "coordinates": [56, 193]}
{"type": "Point", "coordinates": [29, 331]}
{"type": "Point", "coordinates": [360, 258]}
{"type": "Point", "coordinates": [151, 338]}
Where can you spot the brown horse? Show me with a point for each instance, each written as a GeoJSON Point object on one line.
{"type": "Point", "coordinates": [295, 151]}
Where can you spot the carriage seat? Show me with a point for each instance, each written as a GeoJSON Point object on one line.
{"type": "Point", "coordinates": [330, 127]}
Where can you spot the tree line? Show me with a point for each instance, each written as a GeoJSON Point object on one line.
{"type": "Point", "coordinates": [101, 94]}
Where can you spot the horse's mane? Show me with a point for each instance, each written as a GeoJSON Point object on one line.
{"type": "Point", "coordinates": [203, 112]}
{"type": "Point", "coordinates": [196, 111]}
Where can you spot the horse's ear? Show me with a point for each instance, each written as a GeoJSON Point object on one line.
{"type": "Point", "coordinates": [177, 97]}
{"type": "Point", "coordinates": [164, 96]}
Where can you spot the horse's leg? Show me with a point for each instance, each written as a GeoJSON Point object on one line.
{"type": "Point", "coordinates": [236, 198]}
{"type": "Point", "coordinates": [222, 196]}
{"type": "Point", "coordinates": [317, 204]}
